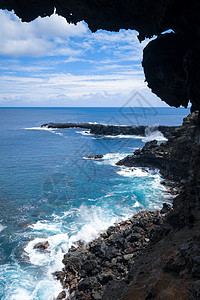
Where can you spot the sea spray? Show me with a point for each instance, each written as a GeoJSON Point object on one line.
{"type": "Point", "coordinates": [31, 193]}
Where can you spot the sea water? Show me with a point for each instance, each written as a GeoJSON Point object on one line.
{"type": "Point", "coordinates": [48, 191]}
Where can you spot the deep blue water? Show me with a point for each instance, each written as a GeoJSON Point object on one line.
{"type": "Point", "coordinates": [49, 192]}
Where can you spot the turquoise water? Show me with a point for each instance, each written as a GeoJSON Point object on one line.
{"type": "Point", "coordinates": [48, 191]}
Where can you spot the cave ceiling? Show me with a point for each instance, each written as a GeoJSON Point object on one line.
{"type": "Point", "coordinates": [171, 62]}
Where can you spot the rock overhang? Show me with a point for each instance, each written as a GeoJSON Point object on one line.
{"type": "Point", "coordinates": [171, 62]}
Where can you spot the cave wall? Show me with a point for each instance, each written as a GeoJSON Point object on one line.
{"type": "Point", "coordinates": [171, 62]}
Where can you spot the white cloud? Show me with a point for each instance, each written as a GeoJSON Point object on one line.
{"type": "Point", "coordinates": [72, 90]}
{"type": "Point", "coordinates": [107, 71]}
{"type": "Point", "coordinates": [41, 37]}
{"type": "Point", "coordinates": [56, 27]}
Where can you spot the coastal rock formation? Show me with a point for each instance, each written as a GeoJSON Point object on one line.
{"type": "Point", "coordinates": [173, 158]}
{"type": "Point", "coordinates": [171, 61]}
{"type": "Point", "coordinates": [88, 271]}
{"type": "Point", "coordinates": [97, 156]}
{"type": "Point", "coordinates": [100, 129]}
{"type": "Point", "coordinates": [42, 246]}
{"type": "Point", "coordinates": [175, 272]}
{"type": "Point", "coordinates": [154, 255]}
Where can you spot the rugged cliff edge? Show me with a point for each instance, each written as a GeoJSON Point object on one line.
{"type": "Point", "coordinates": [173, 158]}
{"type": "Point", "coordinates": [154, 255]}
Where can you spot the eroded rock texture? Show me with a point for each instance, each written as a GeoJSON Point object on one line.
{"type": "Point", "coordinates": [171, 62]}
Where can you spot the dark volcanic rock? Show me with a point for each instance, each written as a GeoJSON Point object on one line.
{"type": "Point", "coordinates": [41, 246]}
{"type": "Point", "coordinates": [116, 289]}
{"type": "Point", "coordinates": [108, 259]}
{"type": "Point", "coordinates": [195, 289]}
{"type": "Point", "coordinates": [62, 295]}
{"type": "Point", "coordinates": [166, 208]}
{"type": "Point", "coordinates": [94, 156]}
{"type": "Point", "coordinates": [172, 158]}
{"type": "Point", "coordinates": [72, 263]}
{"type": "Point", "coordinates": [114, 130]}
{"type": "Point", "coordinates": [167, 56]}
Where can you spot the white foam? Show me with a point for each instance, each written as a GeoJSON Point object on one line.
{"type": "Point", "coordinates": [133, 172]}
{"type": "Point", "coordinates": [88, 222]}
{"type": "Point", "coordinates": [2, 227]}
{"type": "Point", "coordinates": [20, 294]}
{"type": "Point", "coordinates": [152, 133]}
{"type": "Point", "coordinates": [47, 289]}
{"type": "Point", "coordinates": [85, 132]}
{"type": "Point", "coordinates": [45, 129]}
{"type": "Point", "coordinates": [155, 135]}
{"type": "Point", "coordinates": [95, 219]}
{"type": "Point", "coordinates": [39, 128]}
{"type": "Point", "coordinates": [57, 243]}
{"type": "Point", "coordinates": [136, 204]}
{"type": "Point", "coordinates": [111, 158]}
{"type": "Point", "coordinates": [119, 136]}
{"type": "Point", "coordinates": [47, 226]}
{"type": "Point", "coordinates": [106, 124]}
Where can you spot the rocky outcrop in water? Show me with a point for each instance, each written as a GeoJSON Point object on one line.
{"type": "Point", "coordinates": [100, 129]}
{"type": "Point", "coordinates": [42, 246]}
{"type": "Point", "coordinates": [173, 158]}
{"type": "Point", "coordinates": [97, 156]}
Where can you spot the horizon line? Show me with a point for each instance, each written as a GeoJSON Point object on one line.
{"type": "Point", "coordinates": [32, 107]}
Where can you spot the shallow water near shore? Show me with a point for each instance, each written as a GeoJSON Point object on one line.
{"type": "Point", "coordinates": [48, 190]}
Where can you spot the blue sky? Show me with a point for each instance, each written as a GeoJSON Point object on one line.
{"type": "Point", "coordinates": [49, 62]}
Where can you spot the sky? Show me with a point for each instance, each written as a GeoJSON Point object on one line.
{"type": "Point", "coordinates": [51, 63]}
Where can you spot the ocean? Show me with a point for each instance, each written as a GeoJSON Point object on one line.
{"type": "Point", "coordinates": [48, 191]}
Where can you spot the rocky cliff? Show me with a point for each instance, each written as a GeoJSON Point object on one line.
{"type": "Point", "coordinates": [177, 159]}
{"type": "Point", "coordinates": [154, 255]}
{"type": "Point", "coordinates": [174, 274]}
{"type": "Point", "coordinates": [173, 158]}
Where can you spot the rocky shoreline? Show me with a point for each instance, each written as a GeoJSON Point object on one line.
{"type": "Point", "coordinates": [173, 158]}
{"type": "Point", "coordinates": [155, 254]}
{"type": "Point", "coordinates": [89, 268]}
{"type": "Point", "coordinates": [113, 130]}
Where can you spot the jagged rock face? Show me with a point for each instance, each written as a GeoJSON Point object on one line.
{"type": "Point", "coordinates": [149, 18]}
{"type": "Point", "coordinates": [164, 68]}
{"type": "Point", "coordinates": [171, 62]}
{"type": "Point", "coordinates": [171, 65]}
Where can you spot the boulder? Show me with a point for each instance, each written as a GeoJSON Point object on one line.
{"type": "Point", "coordinates": [42, 246]}
{"type": "Point", "coordinates": [94, 156]}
